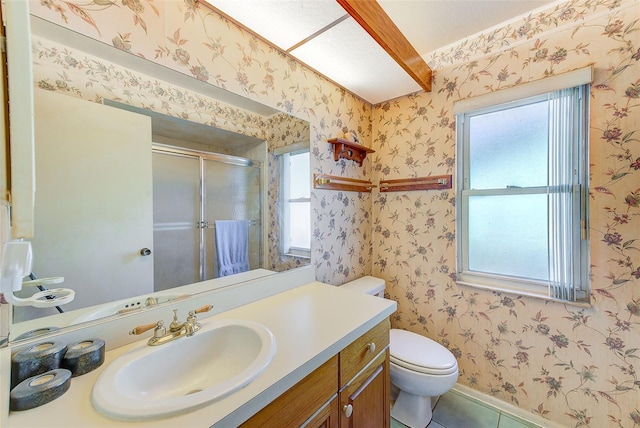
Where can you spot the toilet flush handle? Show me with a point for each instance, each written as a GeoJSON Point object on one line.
{"type": "Point", "coordinates": [347, 409]}
{"type": "Point", "coordinates": [371, 347]}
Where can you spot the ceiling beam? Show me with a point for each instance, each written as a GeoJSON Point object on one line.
{"type": "Point", "coordinates": [370, 15]}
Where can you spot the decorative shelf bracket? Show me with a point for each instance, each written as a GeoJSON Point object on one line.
{"type": "Point", "coordinates": [433, 182]}
{"type": "Point", "coordinates": [343, 149]}
{"type": "Point", "coordinates": [331, 182]}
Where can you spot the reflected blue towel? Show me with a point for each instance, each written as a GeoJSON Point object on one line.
{"type": "Point", "coordinates": [232, 246]}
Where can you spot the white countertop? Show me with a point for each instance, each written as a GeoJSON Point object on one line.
{"type": "Point", "coordinates": [311, 323]}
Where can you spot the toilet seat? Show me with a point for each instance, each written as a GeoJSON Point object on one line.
{"type": "Point", "coordinates": [423, 370]}
{"type": "Point", "coordinates": [420, 354]}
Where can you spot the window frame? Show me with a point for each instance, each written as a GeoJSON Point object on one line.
{"type": "Point", "coordinates": [580, 259]}
{"type": "Point", "coordinates": [285, 204]}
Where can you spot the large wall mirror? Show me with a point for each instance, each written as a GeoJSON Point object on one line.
{"type": "Point", "coordinates": [134, 207]}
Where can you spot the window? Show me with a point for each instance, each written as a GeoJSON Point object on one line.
{"type": "Point", "coordinates": [296, 203]}
{"type": "Point", "coordinates": [522, 193]}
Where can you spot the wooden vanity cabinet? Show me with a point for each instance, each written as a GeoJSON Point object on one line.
{"type": "Point", "coordinates": [327, 417]}
{"type": "Point", "coordinates": [298, 404]}
{"type": "Point", "coordinates": [365, 400]}
{"type": "Point", "coordinates": [365, 384]}
{"type": "Point", "coordinates": [352, 389]}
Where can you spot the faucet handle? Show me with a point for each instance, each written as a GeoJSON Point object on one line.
{"type": "Point", "coordinates": [160, 330]}
{"type": "Point", "coordinates": [144, 328]}
{"type": "Point", "coordinates": [205, 308]}
{"type": "Point", "coordinates": [192, 315]}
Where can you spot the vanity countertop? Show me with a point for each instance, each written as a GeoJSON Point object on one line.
{"type": "Point", "coordinates": [311, 323]}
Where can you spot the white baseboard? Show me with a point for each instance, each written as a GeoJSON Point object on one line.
{"type": "Point", "coordinates": [505, 407]}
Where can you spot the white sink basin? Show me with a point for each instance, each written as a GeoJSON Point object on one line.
{"type": "Point", "coordinates": [150, 382]}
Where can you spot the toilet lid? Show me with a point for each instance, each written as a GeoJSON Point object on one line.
{"type": "Point", "coordinates": [419, 353]}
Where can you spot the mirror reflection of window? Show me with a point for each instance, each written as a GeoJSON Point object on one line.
{"type": "Point", "coordinates": [296, 203]}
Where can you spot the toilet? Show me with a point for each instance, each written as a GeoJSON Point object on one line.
{"type": "Point", "coordinates": [420, 367]}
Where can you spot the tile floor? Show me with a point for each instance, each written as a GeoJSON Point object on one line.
{"type": "Point", "coordinates": [455, 410]}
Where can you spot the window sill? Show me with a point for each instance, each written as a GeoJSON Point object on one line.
{"type": "Point", "coordinates": [297, 256]}
{"type": "Point", "coordinates": [521, 292]}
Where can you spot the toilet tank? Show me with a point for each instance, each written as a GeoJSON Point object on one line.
{"type": "Point", "coordinates": [368, 285]}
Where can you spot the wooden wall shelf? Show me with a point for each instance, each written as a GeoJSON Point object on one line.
{"type": "Point", "coordinates": [432, 182]}
{"type": "Point", "coordinates": [332, 182]}
{"type": "Point", "coordinates": [343, 149]}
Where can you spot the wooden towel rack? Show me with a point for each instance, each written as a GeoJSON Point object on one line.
{"type": "Point", "coordinates": [332, 182]}
{"type": "Point", "coordinates": [431, 182]}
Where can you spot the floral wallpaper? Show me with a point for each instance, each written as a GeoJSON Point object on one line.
{"type": "Point", "coordinates": [72, 72]}
{"type": "Point", "coordinates": [570, 364]}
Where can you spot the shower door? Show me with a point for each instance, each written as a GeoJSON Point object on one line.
{"type": "Point", "coordinates": [176, 213]}
{"type": "Point", "coordinates": [232, 192]}
{"type": "Point", "coordinates": [191, 190]}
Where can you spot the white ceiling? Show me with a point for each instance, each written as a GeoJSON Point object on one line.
{"type": "Point", "coordinates": [346, 54]}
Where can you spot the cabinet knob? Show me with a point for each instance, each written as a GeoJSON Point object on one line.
{"type": "Point", "coordinates": [371, 347]}
{"type": "Point", "coordinates": [347, 410]}
{"type": "Point", "coordinates": [145, 252]}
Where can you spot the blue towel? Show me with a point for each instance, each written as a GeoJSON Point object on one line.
{"type": "Point", "coordinates": [232, 246]}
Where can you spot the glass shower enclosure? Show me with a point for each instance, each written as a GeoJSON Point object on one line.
{"type": "Point", "coordinates": [191, 190]}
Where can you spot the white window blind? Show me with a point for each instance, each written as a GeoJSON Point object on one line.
{"type": "Point", "coordinates": [567, 207]}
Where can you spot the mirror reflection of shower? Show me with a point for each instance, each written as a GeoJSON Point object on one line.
{"type": "Point", "coordinates": [96, 228]}
{"type": "Point", "coordinates": [195, 195]}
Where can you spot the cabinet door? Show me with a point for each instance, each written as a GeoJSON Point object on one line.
{"type": "Point", "coordinates": [296, 406]}
{"type": "Point", "coordinates": [365, 402]}
{"type": "Point", "coordinates": [94, 206]}
{"type": "Point", "coordinates": [327, 417]}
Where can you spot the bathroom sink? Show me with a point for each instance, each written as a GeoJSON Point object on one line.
{"type": "Point", "coordinates": [150, 382]}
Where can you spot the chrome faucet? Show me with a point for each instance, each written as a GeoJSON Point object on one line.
{"type": "Point", "coordinates": [176, 329]}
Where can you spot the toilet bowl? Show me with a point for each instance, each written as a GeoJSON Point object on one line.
{"type": "Point", "coordinates": [420, 367]}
